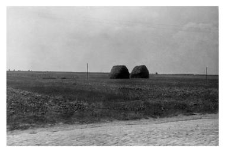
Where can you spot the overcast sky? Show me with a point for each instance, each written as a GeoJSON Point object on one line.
{"type": "Point", "coordinates": [165, 39]}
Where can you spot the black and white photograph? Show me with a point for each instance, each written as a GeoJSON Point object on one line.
{"type": "Point", "coordinates": [112, 76]}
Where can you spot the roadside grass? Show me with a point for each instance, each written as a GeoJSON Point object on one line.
{"type": "Point", "coordinates": [34, 102]}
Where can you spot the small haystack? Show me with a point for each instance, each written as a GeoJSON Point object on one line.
{"type": "Point", "coordinates": [140, 72]}
{"type": "Point", "coordinates": [119, 72]}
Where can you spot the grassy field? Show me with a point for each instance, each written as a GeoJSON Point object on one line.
{"type": "Point", "coordinates": [46, 98]}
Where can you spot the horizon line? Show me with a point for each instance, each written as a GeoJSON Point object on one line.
{"type": "Point", "coordinates": [109, 72]}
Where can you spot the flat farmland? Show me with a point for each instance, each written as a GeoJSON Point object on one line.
{"type": "Point", "coordinates": [36, 99]}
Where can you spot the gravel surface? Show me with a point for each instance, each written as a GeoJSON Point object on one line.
{"type": "Point", "coordinates": [176, 131]}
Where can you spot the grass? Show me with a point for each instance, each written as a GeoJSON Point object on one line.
{"type": "Point", "coordinates": [41, 98]}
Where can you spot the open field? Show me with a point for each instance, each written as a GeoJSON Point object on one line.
{"type": "Point", "coordinates": [47, 98]}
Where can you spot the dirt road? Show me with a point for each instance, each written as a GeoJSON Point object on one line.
{"type": "Point", "coordinates": [180, 130]}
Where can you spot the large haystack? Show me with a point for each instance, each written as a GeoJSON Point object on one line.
{"type": "Point", "coordinates": [140, 72]}
{"type": "Point", "coordinates": [119, 72]}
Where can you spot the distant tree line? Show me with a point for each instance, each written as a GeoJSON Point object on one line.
{"type": "Point", "coordinates": [18, 70]}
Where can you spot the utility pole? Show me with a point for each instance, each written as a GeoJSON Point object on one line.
{"type": "Point", "coordinates": [87, 71]}
{"type": "Point", "coordinates": [206, 74]}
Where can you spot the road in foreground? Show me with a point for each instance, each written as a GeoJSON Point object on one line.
{"type": "Point", "coordinates": [180, 130]}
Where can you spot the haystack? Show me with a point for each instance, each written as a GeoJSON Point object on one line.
{"type": "Point", "coordinates": [140, 72]}
{"type": "Point", "coordinates": [119, 72]}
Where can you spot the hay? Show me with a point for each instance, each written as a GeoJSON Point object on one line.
{"type": "Point", "coordinates": [119, 72]}
{"type": "Point", "coordinates": [140, 72]}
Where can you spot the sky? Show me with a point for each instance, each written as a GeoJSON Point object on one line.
{"type": "Point", "coordinates": [168, 40]}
